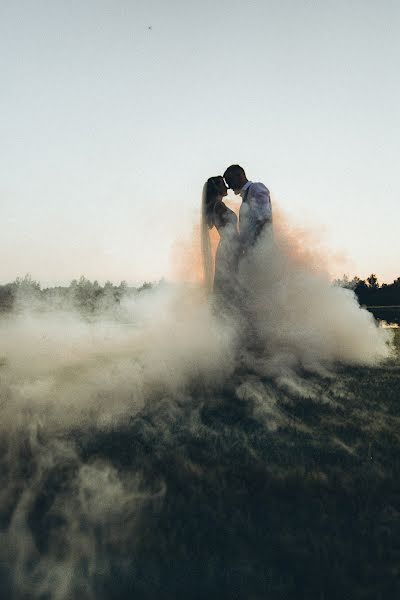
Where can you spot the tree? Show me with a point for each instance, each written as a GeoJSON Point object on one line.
{"type": "Point", "coordinates": [27, 283]}
{"type": "Point", "coordinates": [146, 286]}
{"type": "Point", "coordinates": [373, 281]}
{"type": "Point", "coordinates": [344, 282]}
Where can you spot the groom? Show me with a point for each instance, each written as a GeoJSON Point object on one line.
{"type": "Point", "coordinates": [255, 211]}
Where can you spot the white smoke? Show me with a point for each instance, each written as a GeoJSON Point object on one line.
{"type": "Point", "coordinates": [61, 373]}
{"type": "Point", "coordinates": [60, 360]}
{"type": "Point", "coordinates": [300, 319]}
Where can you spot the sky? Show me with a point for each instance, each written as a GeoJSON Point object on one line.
{"type": "Point", "coordinates": [114, 113]}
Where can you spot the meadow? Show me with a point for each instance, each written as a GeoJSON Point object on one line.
{"type": "Point", "coordinates": [270, 494]}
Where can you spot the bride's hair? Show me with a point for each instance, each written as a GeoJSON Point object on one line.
{"type": "Point", "coordinates": [211, 192]}
{"type": "Point", "coordinates": [209, 196]}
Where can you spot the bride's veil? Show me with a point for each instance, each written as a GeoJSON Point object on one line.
{"type": "Point", "coordinates": [208, 267]}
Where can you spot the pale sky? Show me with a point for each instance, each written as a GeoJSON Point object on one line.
{"type": "Point", "coordinates": [108, 129]}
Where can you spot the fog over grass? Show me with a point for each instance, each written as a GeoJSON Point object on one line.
{"type": "Point", "coordinates": [106, 419]}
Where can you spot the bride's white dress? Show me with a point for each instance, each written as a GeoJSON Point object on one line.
{"type": "Point", "coordinates": [227, 254]}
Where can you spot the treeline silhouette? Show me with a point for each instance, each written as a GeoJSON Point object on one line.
{"type": "Point", "coordinates": [382, 300]}
{"type": "Point", "coordinates": [82, 295]}
{"type": "Point", "coordinates": [370, 293]}
{"type": "Point", "coordinates": [90, 297]}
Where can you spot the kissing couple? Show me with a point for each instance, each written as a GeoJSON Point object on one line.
{"type": "Point", "coordinates": [235, 238]}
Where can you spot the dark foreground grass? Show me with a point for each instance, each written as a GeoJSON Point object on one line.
{"type": "Point", "coordinates": [230, 499]}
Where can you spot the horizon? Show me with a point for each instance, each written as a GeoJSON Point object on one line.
{"type": "Point", "coordinates": [45, 284]}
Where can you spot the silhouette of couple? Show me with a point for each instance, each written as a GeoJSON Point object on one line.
{"type": "Point", "coordinates": [236, 239]}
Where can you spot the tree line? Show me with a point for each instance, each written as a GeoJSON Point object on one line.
{"type": "Point", "coordinates": [82, 294]}
{"type": "Point", "coordinates": [370, 293]}
{"type": "Point", "coordinates": [90, 296]}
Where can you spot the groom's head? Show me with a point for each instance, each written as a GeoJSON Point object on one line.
{"type": "Point", "coordinates": [235, 178]}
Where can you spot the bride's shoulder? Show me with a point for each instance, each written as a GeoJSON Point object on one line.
{"type": "Point", "coordinates": [220, 207]}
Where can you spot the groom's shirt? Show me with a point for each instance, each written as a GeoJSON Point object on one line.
{"type": "Point", "coordinates": [254, 213]}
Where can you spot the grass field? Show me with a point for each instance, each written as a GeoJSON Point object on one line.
{"type": "Point", "coordinates": [275, 494]}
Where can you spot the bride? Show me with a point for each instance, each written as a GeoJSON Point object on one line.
{"type": "Point", "coordinates": [216, 214]}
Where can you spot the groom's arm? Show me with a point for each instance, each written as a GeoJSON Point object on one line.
{"type": "Point", "coordinates": [260, 202]}
{"type": "Point", "coordinates": [260, 210]}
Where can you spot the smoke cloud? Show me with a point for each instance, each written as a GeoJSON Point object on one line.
{"type": "Point", "coordinates": [73, 507]}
